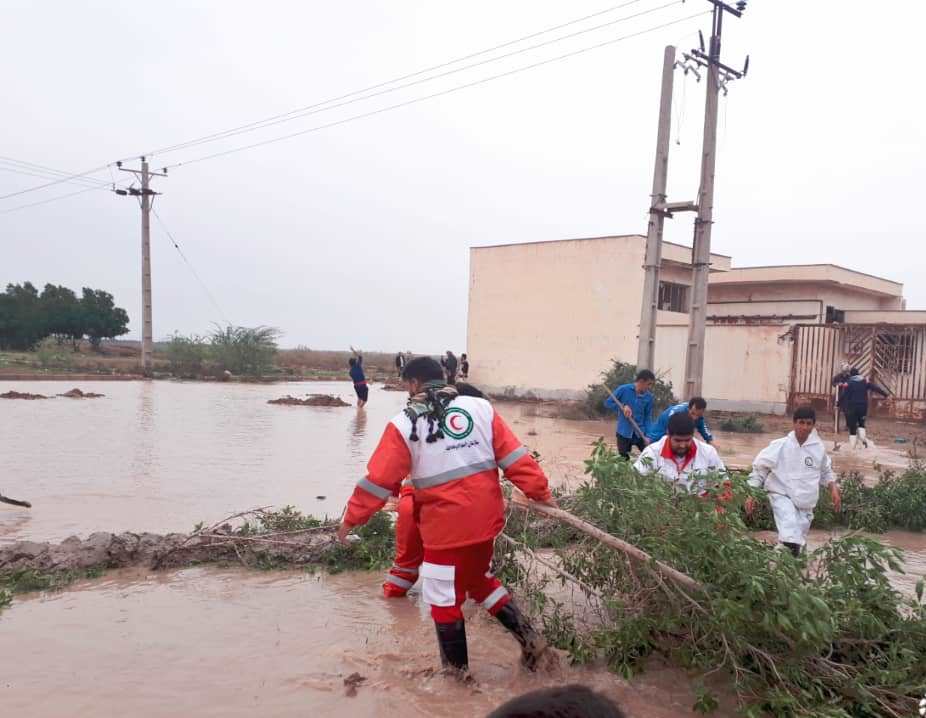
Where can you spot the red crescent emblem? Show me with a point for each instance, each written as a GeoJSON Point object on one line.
{"type": "Point", "coordinates": [453, 424]}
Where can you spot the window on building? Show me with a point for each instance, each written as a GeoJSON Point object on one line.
{"type": "Point", "coordinates": [834, 315]}
{"type": "Point", "coordinates": [899, 351]}
{"type": "Point", "coordinates": [673, 297]}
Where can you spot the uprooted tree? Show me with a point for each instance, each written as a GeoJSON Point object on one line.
{"type": "Point", "coordinates": [825, 635]}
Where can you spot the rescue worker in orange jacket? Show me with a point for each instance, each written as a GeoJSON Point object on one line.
{"type": "Point", "coordinates": [458, 502]}
{"type": "Point", "coordinates": [409, 549]}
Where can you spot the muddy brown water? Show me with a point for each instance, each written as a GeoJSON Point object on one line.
{"type": "Point", "coordinates": [162, 456]}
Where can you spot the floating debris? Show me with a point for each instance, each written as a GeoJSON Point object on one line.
{"type": "Point", "coordinates": [312, 400]}
{"type": "Point", "coordinates": [22, 395]}
{"type": "Point", "coordinates": [78, 394]}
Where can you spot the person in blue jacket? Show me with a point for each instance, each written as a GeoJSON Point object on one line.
{"type": "Point", "coordinates": [637, 399]}
{"type": "Point", "coordinates": [695, 408]}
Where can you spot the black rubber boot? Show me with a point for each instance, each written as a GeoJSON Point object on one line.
{"type": "Point", "coordinates": [451, 639]}
{"type": "Point", "coordinates": [532, 643]}
{"type": "Point", "coordinates": [794, 548]}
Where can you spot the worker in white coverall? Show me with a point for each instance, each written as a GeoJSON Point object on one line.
{"type": "Point", "coordinates": [792, 470]}
{"type": "Point", "coordinates": [679, 458]}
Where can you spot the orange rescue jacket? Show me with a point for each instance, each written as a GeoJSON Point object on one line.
{"type": "Point", "coordinates": [458, 497]}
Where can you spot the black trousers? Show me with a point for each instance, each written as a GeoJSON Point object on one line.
{"type": "Point", "coordinates": [855, 418]}
{"type": "Point", "coordinates": [624, 445]}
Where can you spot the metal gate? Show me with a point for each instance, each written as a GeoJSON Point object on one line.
{"type": "Point", "coordinates": [890, 355]}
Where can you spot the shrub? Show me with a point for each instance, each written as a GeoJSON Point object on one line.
{"type": "Point", "coordinates": [186, 355]}
{"type": "Point", "coordinates": [742, 424]}
{"type": "Point", "coordinates": [623, 373]}
{"type": "Point", "coordinates": [249, 351]}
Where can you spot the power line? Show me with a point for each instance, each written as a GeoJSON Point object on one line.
{"type": "Point", "coordinates": [327, 105]}
{"type": "Point", "coordinates": [56, 198]}
{"type": "Point", "coordinates": [54, 182]}
{"type": "Point", "coordinates": [456, 88]}
{"type": "Point", "coordinates": [311, 109]}
{"type": "Point", "coordinates": [189, 264]}
{"type": "Point", "coordinates": [43, 175]}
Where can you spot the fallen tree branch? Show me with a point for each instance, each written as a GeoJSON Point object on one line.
{"type": "Point", "coordinates": [607, 539]}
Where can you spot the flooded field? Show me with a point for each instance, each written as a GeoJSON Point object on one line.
{"type": "Point", "coordinates": [162, 456]}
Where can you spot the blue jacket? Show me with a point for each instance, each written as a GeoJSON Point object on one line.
{"type": "Point", "coordinates": [356, 371]}
{"type": "Point", "coordinates": [659, 429]}
{"type": "Point", "coordinates": [640, 405]}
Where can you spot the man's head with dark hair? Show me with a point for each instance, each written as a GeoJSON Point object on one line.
{"type": "Point", "coordinates": [419, 372]}
{"type": "Point", "coordinates": [696, 407]}
{"type": "Point", "coordinates": [463, 356]}
{"type": "Point", "coordinates": [572, 701]}
{"type": "Point", "coordinates": [680, 432]}
{"type": "Point", "coordinates": [464, 389]}
{"type": "Point", "coordinates": [352, 362]}
{"type": "Point", "coordinates": [805, 419]}
{"type": "Point", "coordinates": [644, 381]}
{"type": "Point", "coordinates": [854, 371]}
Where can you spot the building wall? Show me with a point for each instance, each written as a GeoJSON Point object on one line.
{"type": "Point", "coordinates": [746, 367]}
{"type": "Point", "coordinates": [546, 318]}
{"type": "Point", "coordinates": [886, 317]}
{"type": "Point", "coordinates": [833, 295]}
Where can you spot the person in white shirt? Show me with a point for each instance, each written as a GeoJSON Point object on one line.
{"type": "Point", "coordinates": [679, 458]}
{"type": "Point", "coordinates": [792, 470]}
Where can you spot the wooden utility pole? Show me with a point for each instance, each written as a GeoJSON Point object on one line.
{"type": "Point", "coordinates": [646, 351]}
{"type": "Point", "coordinates": [146, 199]}
{"type": "Point", "coordinates": [718, 75]}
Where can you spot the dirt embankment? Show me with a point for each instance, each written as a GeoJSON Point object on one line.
{"type": "Point", "coordinates": [311, 400]}
{"type": "Point", "coordinates": [72, 394]}
{"type": "Point", "coordinates": [23, 395]}
{"type": "Point", "coordinates": [103, 550]}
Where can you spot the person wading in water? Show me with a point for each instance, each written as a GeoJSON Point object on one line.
{"type": "Point", "coordinates": [458, 501]}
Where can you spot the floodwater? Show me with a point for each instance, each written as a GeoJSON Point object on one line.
{"type": "Point", "coordinates": [161, 456]}
{"type": "Point", "coordinates": [211, 642]}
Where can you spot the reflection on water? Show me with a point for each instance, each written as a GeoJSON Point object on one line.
{"type": "Point", "coordinates": [358, 433]}
{"type": "Point", "coordinates": [161, 456]}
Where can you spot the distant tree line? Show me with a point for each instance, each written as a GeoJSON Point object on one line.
{"type": "Point", "coordinates": [28, 316]}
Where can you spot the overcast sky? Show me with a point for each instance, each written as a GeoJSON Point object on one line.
{"type": "Point", "coordinates": [359, 233]}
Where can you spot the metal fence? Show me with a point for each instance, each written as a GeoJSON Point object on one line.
{"type": "Point", "coordinates": [890, 355]}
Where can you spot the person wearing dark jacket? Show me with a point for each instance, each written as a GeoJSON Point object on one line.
{"type": "Point", "coordinates": [855, 405]}
{"type": "Point", "coordinates": [449, 362]}
{"type": "Point", "coordinates": [355, 368]}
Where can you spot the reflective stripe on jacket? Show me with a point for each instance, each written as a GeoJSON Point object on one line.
{"type": "Point", "coordinates": [458, 496]}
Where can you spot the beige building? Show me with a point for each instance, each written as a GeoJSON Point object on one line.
{"type": "Point", "coordinates": [545, 318]}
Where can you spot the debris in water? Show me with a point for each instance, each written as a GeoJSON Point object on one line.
{"type": "Point", "coordinates": [393, 386]}
{"type": "Point", "coordinates": [22, 395]}
{"type": "Point", "coordinates": [353, 681]}
{"type": "Point", "coordinates": [78, 394]}
{"type": "Point", "coordinates": [321, 498]}
{"type": "Point", "coordinates": [312, 400]}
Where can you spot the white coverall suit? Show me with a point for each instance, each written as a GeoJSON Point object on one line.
{"type": "Point", "coordinates": [792, 474]}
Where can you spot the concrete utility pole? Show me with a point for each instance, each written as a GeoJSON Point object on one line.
{"type": "Point", "coordinates": [718, 75]}
{"type": "Point", "coordinates": [146, 195]}
{"type": "Point", "coordinates": [646, 352]}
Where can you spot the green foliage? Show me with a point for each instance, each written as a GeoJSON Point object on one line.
{"type": "Point", "coordinates": [896, 501]}
{"type": "Point", "coordinates": [102, 318]}
{"type": "Point", "coordinates": [822, 635]}
{"type": "Point", "coordinates": [186, 355]}
{"type": "Point", "coordinates": [742, 424]}
{"type": "Point", "coordinates": [24, 580]}
{"type": "Point", "coordinates": [6, 598]}
{"type": "Point", "coordinates": [49, 353]}
{"type": "Point", "coordinates": [622, 373]}
{"type": "Point", "coordinates": [243, 350]}
{"type": "Point", "coordinates": [27, 317]}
